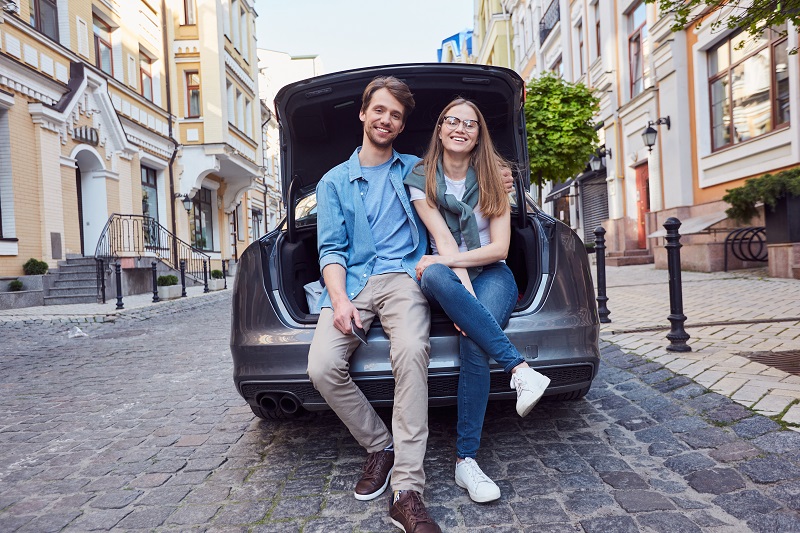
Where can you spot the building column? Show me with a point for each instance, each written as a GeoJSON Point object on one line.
{"type": "Point", "coordinates": [48, 125]}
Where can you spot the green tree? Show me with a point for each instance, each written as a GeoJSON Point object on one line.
{"type": "Point", "coordinates": [559, 119]}
{"type": "Point", "coordinates": [753, 18]}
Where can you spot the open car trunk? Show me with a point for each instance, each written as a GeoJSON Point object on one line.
{"type": "Point", "coordinates": [320, 128]}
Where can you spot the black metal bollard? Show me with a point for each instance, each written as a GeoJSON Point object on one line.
{"type": "Point", "coordinates": [155, 282]}
{"type": "Point", "coordinates": [225, 272]}
{"type": "Point", "coordinates": [205, 276]}
{"type": "Point", "coordinates": [677, 335]}
{"type": "Point", "coordinates": [600, 254]}
{"type": "Point", "coordinates": [118, 274]}
{"type": "Point", "coordinates": [183, 277]}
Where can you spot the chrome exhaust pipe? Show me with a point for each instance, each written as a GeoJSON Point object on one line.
{"type": "Point", "coordinates": [268, 402]}
{"type": "Point", "coordinates": [289, 404]}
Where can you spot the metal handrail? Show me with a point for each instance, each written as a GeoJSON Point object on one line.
{"type": "Point", "coordinates": [140, 235]}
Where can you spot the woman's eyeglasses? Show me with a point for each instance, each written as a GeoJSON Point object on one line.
{"type": "Point", "coordinates": [453, 122]}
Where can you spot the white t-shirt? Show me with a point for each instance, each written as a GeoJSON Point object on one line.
{"type": "Point", "coordinates": [457, 189]}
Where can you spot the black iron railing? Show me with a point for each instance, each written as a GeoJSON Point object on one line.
{"type": "Point", "coordinates": [549, 20]}
{"type": "Point", "coordinates": [139, 235]}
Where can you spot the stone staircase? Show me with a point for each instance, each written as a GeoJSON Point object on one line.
{"type": "Point", "coordinates": [73, 282]}
{"type": "Point", "coordinates": [629, 257]}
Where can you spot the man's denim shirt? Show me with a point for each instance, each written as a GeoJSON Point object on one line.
{"type": "Point", "coordinates": [343, 232]}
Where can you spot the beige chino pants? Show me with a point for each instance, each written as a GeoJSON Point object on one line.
{"type": "Point", "coordinates": [405, 316]}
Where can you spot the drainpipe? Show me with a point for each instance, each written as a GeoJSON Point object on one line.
{"type": "Point", "coordinates": [507, 17]}
{"type": "Point", "coordinates": [175, 144]}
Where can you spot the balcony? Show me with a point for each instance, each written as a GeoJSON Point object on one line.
{"type": "Point", "coordinates": [551, 17]}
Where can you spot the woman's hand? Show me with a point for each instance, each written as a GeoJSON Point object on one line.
{"type": "Point", "coordinates": [425, 262]}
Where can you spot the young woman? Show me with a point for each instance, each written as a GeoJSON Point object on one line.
{"type": "Point", "coordinates": [459, 194]}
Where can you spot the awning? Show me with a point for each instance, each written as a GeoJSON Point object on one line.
{"type": "Point", "coordinates": [559, 191]}
{"type": "Point", "coordinates": [694, 224]}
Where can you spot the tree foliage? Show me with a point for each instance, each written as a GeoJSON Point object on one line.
{"type": "Point", "coordinates": [751, 15]}
{"type": "Point", "coordinates": [559, 118]}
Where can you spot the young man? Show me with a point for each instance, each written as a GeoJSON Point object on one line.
{"type": "Point", "coordinates": [370, 240]}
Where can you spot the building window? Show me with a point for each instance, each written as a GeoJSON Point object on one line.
{"type": "Point", "coordinates": [637, 40]}
{"type": "Point", "coordinates": [234, 15]}
{"type": "Point", "coordinates": [146, 75]}
{"type": "Point", "coordinates": [231, 104]}
{"type": "Point", "coordinates": [244, 34]}
{"type": "Point", "coordinates": [102, 46]}
{"type": "Point", "coordinates": [193, 94]}
{"type": "Point", "coordinates": [248, 118]}
{"type": "Point", "coordinates": [558, 67]}
{"type": "Point", "coordinates": [580, 49]}
{"type": "Point", "coordinates": [239, 110]}
{"type": "Point", "coordinates": [44, 17]}
{"type": "Point", "coordinates": [202, 220]}
{"type": "Point", "coordinates": [189, 12]}
{"type": "Point", "coordinates": [598, 49]}
{"type": "Point", "coordinates": [748, 87]}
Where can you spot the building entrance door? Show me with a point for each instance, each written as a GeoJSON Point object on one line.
{"type": "Point", "coordinates": [642, 202]}
{"type": "Point", "coordinates": [79, 189]}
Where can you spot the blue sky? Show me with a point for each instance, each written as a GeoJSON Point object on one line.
{"type": "Point", "coordinates": [355, 33]}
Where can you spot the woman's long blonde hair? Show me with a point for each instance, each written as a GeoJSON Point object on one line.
{"type": "Point", "coordinates": [484, 159]}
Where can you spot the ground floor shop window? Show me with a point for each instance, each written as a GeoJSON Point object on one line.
{"type": "Point", "coordinates": [202, 220]}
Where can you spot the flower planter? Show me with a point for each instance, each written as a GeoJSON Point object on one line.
{"type": "Point", "coordinates": [216, 284]}
{"type": "Point", "coordinates": [783, 223]}
{"type": "Point", "coordinates": [169, 292]}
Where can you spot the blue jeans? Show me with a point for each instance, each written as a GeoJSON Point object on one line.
{"type": "Point", "coordinates": [482, 319]}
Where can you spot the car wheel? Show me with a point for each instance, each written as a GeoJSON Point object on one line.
{"type": "Point", "coordinates": [566, 396]}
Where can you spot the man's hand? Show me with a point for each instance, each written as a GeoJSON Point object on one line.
{"type": "Point", "coordinates": [343, 313]}
{"type": "Point", "coordinates": [508, 179]}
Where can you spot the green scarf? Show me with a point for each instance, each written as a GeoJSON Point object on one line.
{"type": "Point", "coordinates": [458, 214]}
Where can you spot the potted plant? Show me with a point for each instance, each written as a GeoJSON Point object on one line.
{"type": "Point", "coordinates": [780, 194]}
{"type": "Point", "coordinates": [217, 280]}
{"type": "Point", "coordinates": [168, 287]}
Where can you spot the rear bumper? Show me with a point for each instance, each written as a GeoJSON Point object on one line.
{"type": "Point", "coordinates": [442, 386]}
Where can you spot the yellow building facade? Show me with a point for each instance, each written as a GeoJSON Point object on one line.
{"type": "Point", "coordinates": [126, 108]}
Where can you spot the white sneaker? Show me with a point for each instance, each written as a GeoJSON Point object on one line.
{"type": "Point", "coordinates": [470, 476]}
{"type": "Point", "coordinates": [530, 386]}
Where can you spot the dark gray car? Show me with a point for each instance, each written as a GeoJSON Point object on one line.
{"type": "Point", "coordinates": [555, 324]}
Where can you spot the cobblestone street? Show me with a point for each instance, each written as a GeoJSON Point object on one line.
{"type": "Point", "coordinates": [137, 426]}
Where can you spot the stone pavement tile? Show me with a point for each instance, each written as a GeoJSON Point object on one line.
{"type": "Point", "coordinates": [146, 517]}
{"type": "Point", "coordinates": [744, 504]}
{"type": "Point", "coordinates": [716, 481]}
{"type": "Point", "coordinates": [755, 427]}
{"type": "Point", "coordinates": [190, 514]}
{"type": "Point", "coordinates": [773, 403]}
{"type": "Point", "coordinates": [792, 416]}
{"type": "Point", "coordinates": [665, 522]}
{"type": "Point", "coordinates": [749, 394]}
{"type": "Point", "coordinates": [775, 522]}
{"type": "Point", "coordinates": [728, 385]}
{"type": "Point", "coordinates": [735, 451]}
{"type": "Point", "coordinates": [769, 469]}
{"type": "Point", "coordinates": [610, 524]}
{"type": "Point", "coordinates": [104, 520]}
{"type": "Point", "coordinates": [709, 377]}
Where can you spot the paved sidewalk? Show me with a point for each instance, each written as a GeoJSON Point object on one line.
{"type": "Point", "coordinates": [728, 314]}
{"type": "Point", "coordinates": [135, 305]}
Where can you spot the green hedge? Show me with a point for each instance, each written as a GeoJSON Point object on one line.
{"type": "Point", "coordinates": [165, 281]}
{"type": "Point", "coordinates": [34, 267]}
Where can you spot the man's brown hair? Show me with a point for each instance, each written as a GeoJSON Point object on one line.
{"type": "Point", "coordinates": [396, 88]}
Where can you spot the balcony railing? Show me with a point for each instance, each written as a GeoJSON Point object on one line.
{"type": "Point", "coordinates": [551, 17]}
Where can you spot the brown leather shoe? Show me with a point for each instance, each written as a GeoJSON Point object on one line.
{"type": "Point", "coordinates": [377, 471]}
{"type": "Point", "coordinates": [409, 514]}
